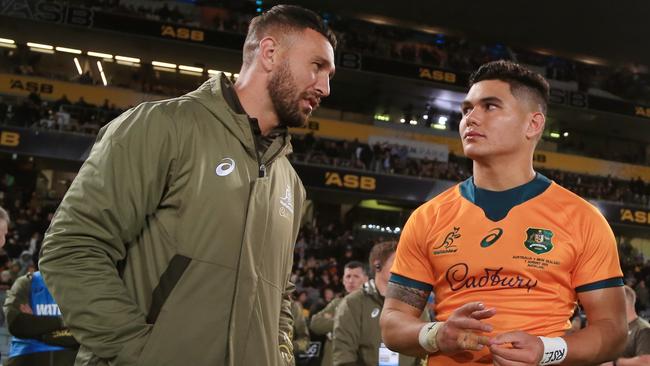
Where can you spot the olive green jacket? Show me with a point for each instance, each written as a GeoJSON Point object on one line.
{"type": "Point", "coordinates": [322, 323]}
{"type": "Point", "coordinates": [173, 245]}
{"type": "Point", "coordinates": [357, 335]}
{"type": "Point", "coordinates": [300, 331]}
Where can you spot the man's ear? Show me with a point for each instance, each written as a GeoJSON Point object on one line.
{"type": "Point", "coordinates": [268, 50]}
{"type": "Point", "coordinates": [536, 124]}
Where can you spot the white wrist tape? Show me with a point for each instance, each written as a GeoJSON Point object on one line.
{"type": "Point", "coordinates": [555, 351]}
{"type": "Point", "coordinates": [427, 336]}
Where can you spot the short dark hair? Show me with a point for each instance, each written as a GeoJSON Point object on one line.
{"type": "Point", "coordinates": [521, 80]}
{"type": "Point", "coordinates": [287, 18]}
{"type": "Point", "coordinates": [380, 253]}
{"type": "Point", "coordinates": [356, 264]}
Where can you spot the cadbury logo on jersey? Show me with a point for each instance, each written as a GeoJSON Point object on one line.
{"type": "Point", "coordinates": [458, 277]}
{"type": "Point", "coordinates": [448, 246]}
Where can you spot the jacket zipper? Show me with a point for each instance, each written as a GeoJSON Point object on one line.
{"type": "Point", "coordinates": [255, 127]}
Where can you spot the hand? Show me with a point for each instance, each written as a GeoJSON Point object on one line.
{"type": "Point", "coordinates": [525, 349]}
{"type": "Point", "coordinates": [25, 308]}
{"type": "Point", "coordinates": [458, 333]}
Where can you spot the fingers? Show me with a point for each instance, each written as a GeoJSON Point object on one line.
{"type": "Point", "coordinates": [469, 308]}
{"type": "Point", "coordinates": [471, 341]}
{"type": "Point", "coordinates": [515, 348]}
{"type": "Point", "coordinates": [509, 337]}
{"type": "Point", "coordinates": [470, 324]}
{"type": "Point", "coordinates": [484, 314]}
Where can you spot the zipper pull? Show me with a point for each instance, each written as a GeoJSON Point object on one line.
{"type": "Point", "coordinates": [262, 171]}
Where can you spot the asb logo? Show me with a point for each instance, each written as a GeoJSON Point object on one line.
{"type": "Point", "coordinates": [539, 240]}
{"type": "Point", "coordinates": [492, 237]}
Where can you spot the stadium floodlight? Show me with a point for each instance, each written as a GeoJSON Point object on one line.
{"type": "Point", "coordinates": [127, 59]}
{"type": "Point", "coordinates": [212, 72]}
{"type": "Point", "coordinates": [228, 74]}
{"type": "Point", "coordinates": [40, 46]}
{"type": "Point", "coordinates": [439, 127]}
{"type": "Point", "coordinates": [190, 68]}
{"type": "Point", "coordinates": [101, 72]}
{"type": "Point", "coordinates": [442, 120]}
{"type": "Point", "coordinates": [103, 55]}
{"type": "Point", "coordinates": [68, 50]}
{"type": "Point", "coordinates": [166, 65]}
{"type": "Point", "coordinates": [7, 43]}
{"type": "Point", "coordinates": [402, 120]}
{"type": "Point", "coordinates": [425, 117]}
{"type": "Point", "coordinates": [566, 134]}
{"type": "Point", "coordinates": [76, 63]}
{"type": "Point", "coordinates": [235, 76]}
{"type": "Point", "coordinates": [555, 135]}
{"type": "Point", "coordinates": [413, 122]}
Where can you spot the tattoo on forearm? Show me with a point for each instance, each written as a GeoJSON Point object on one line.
{"type": "Point", "coordinates": [412, 296]}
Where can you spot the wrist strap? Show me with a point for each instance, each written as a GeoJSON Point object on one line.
{"type": "Point", "coordinates": [555, 351]}
{"type": "Point", "coordinates": [427, 336]}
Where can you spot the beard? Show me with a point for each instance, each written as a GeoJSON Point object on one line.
{"type": "Point", "coordinates": [286, 101]}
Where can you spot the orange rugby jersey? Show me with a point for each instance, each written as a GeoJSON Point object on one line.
{"type": "Point", "coordinates": [542, 246]}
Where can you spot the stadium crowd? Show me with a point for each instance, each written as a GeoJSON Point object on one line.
{"type": "Point", "coordinates": [630, 82]}
{"type": "Point", "coordinates": [82, 117]}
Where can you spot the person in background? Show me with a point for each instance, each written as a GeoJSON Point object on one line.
{"type": "Point", "coordinates": [357, 337]}
{"type": "Point", "coordinates": [33, 318]}
{"type": "Point", "coordinates": [355, 275]}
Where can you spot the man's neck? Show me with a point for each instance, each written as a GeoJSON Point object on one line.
{"type": "Point", "coordinates": [502, 175]}
{"type": "Point", "coordinates": [254, 98]}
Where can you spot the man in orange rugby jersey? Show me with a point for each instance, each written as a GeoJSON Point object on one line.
{"type": "Point", "coordinates": [508, 252]}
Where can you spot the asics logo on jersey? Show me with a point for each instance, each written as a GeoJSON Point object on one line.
{"type": "Point", "coordinates": [286, 203]}
{"type": "Point", "coordinates": [226, 167]}
{"type": "Point", "coordinates": [492, 237]}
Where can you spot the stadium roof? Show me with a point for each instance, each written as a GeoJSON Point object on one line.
{"type": "Point", "coordinates": [614, 31]}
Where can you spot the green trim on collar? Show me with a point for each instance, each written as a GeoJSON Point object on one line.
{"type": "Point", "coordinates": [497, 204]}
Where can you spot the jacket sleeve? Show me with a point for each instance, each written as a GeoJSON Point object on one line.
{"type": "Point", "coordinates": [286, 327]}
{"type": "Point", "coordinates": [323, 321]}
{"type": "Point", "coordinates": [300, 330]}
{"type": "Point", "coordinates": [118, 187]}
{"type": "Point", "coordinates": [347, 328]}
{"type": "Point", "coordinates": [24, 325]}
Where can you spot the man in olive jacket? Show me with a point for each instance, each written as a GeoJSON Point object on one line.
{"type": "Point", "coordinates": [322, 323]}
{"type": "Point", "coordinates": [173, 245]}
{"type": "Point", "coordinates": [357, 335]}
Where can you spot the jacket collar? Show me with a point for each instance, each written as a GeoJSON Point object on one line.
{"type": "Point", "coordinates": [218, 96]}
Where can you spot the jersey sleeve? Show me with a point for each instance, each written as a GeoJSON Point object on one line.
{"type": "Point", "coordinates": [597, 265]}
{"type": "Point", "coordinates": [412, 266]}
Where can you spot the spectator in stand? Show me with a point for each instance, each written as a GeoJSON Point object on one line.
{"type": "Point", "coordinates": [322, 323]}
{"type": "Point", "coordinates": [357, 336]}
